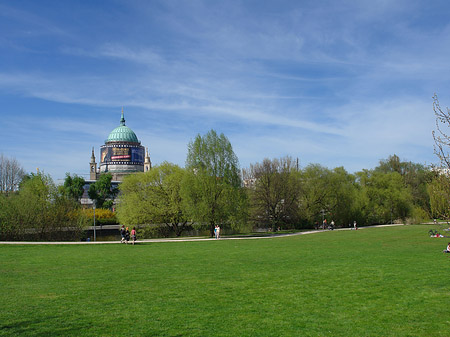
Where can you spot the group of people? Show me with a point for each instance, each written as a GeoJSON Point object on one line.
{"type": "Point", "coordinates": [217, 232]}
{"type": "Point", "coordinates": [125, 234]}
{"type": "Point", "coordinates": [332, 225]}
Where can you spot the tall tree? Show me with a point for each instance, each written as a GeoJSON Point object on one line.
{"type": "Point", "coordinates": [440, 135]}
{"type": "Point", "coordinates": [212, 188]}
{"type": "Point", "coordinates": [275, 193]}
{"type": "Point", "coordinates": [103, 192]}
{"type": "Point", "coordinates": [415, 176]}
{"type": "Point", "coordinates": [439, 197]}
{"type": "Point", "coordinates": [154, 197]}
{"type": "Point", "coordinates": [441, 149]}
{"type": "Point", "coordinates": [386, 194]}
{"type": "Point", "coordinates": [11, 174]}
{"type": "Point", "coordinates": [341, 194]}
{"type": "Point", "coordinates": [314, 199]}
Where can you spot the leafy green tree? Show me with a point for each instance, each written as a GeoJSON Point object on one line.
{"type": "Point", "coordinates": [73, 186]}
{"type": "Point", "coordinates": [387, 196]}
{"type": "Point", "coordinates": [340, 198]}
{"type": "Point", "coordinates": [154, 197]}
{"type": "Point", "coordinates": [439, 191]}
{"type": "Point", "coordinates": [39, 211]}
{"type": "Point", "coordinates": [103, 192]}
{"type": "Point", "coordinates": [314, 199]}
{"type": "Point", "coordinates": [212, 191]}
{"type": "Point", "coordinates": [415, 176]}
{"type": "Point", "coordinates": [274, 196]}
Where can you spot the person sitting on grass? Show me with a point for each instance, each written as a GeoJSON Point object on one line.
{"type": "Point", "coordinates": [448, 248]}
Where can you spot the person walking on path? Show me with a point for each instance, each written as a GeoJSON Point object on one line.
{"type": "Point", "coordinates": [127, 235]}
{"type": "Point", "coordinates": [122, 234]}
{"type": "Point", "coordinates": [216, 232]}
{"type": "Point", "coordinates": [133, 235]}
{"type": "Point", "coordinates": [354, 225]}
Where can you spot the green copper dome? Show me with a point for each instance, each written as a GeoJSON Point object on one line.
{"type": "Point", "coordinates": [122, 133]}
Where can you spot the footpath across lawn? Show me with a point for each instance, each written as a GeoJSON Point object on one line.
{"type": "Point", "coordinates": [392, 281]}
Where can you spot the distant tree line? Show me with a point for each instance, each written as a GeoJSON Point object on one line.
{"type": "Point", "coordinates": [212, 190]}
{"type": "Point", "coordinates": [274, 194]}
{"type": "Point", "coordinates": [284, 196]}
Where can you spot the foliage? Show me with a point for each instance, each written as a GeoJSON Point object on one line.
{"type": "Point", "coordinates": [392, 191]}
{"type": "Point", "coordinates": [306, 285]}
{"type": "Point", "coordinates": [387, 196]}
{"type": "Point", "coordinates": [275, 193]}
{"type": "Point", "coordinates": [314, 180]}
{"type": "Point", "coordinates": [103, 192]}
{"type": "Point", "coordinates": [102, 216]}
{"type": "Point", "coordinates": [39, 211]}
{"type": "Point", "coordinates": [211, 189]}
{"type": "Point", "coordinates": [73, 187]}
{"type": "Point", "coordinates": [439, 188]}
{"type": "Point", "coordinates": [439, 191]}
{"type": "Point", "coordinates": [418, 215]}
{"type": "Point", "coordinates": [154, 197]}
{"type": "Point", "coordinates": [340, 197]}
{"type": "Point", "coordinates": [415, 176]}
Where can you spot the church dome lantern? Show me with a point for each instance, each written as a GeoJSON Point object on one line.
{"type": "Point", "coordinates": [122, 133]}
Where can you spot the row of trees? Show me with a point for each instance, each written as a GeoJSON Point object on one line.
{"type": "Point", "coordinates": [284, 196]}
{"type": "Point", "coordinates": [212, 190]}
{"type": "Point", "coordinates": [40, 210]}
{"type": "Point", "coordinates": [208, 191]}
{"type": "Point", "coordinates": [277, 194]}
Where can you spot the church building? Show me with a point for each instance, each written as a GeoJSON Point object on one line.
{"type": "Point", "coordinates": [121, 154]}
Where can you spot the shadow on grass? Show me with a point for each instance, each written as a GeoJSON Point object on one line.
{"type": "Point", "coordinates": [49, 326]}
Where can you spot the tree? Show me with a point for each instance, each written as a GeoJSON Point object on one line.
{"type": "Point", "coordinates": [341, 196]}
{"type": "Point", "coordinates": [11, 174]}
{"type": "Point", "coordinates": [73, 186]}
{"type": "Point", "coordinates": [39, 211]}
{"type": "Point", "coordinates": [103, 192]}
{"type": "Point", "coordinates": [438, 190]}
{"type": "Point", "coordinates": [387, 196]}
{"type": "Point", "coordinates": [415, 176]}
{"type": "Point", "coordinates": [274, 197]}
{"type": "Point", "coordinates": [313, 202]}
{"type": "Point", "coordinates": [154, 197]}
{"type": "Point", "coordinates": [441, 138]}
{"type": "Point", "coordinates": [440, 187]}
{"type": "Point", "coordinates": [212, 191]}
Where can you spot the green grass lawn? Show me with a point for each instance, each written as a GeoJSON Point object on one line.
{"type": "Point", "coordinates": [371, 282]}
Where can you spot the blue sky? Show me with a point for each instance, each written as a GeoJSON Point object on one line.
{"type": "Point", "coordinates": [339, 83]}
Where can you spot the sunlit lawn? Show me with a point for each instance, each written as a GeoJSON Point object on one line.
{"type": "Point", "coordinates": [370, 282]}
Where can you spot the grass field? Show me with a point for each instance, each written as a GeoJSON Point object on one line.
{"type": "Point", "coordinates": [372, 282]}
